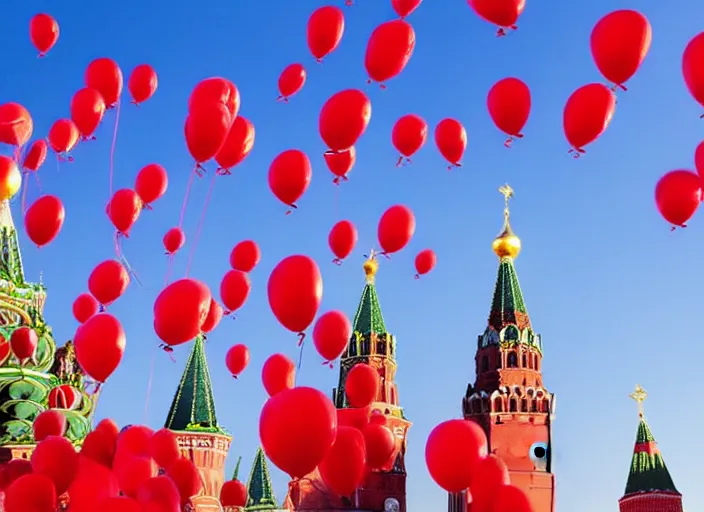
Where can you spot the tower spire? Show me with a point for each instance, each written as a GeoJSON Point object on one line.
{"type": "Point", "coordinates": [639, 396]}
{"type": "Point", "coordinates": [259, 487]}
{"type": "Point", "coordinates": [506, 244]}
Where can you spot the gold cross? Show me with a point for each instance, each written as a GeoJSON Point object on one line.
{"type": "Point", "coordinates": [639, 395]}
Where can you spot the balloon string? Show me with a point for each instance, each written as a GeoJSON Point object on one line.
{"type": "Point", "coordinates": [150, 381]}
{"type": "Point", "coordinates": [24, 194]}
{"type": "Point", "coordinates": [117, 240]}
{"type": "Point", "coordinates": [201, 223]}
{"type": "Point", "coordinates": [114, 143]}
{"type": "Point", "coordinates": [182, 215]}
{"type": "Point", "coordinates": [169, 268]}
{"type": "Point", "coordinates": [337, 202]}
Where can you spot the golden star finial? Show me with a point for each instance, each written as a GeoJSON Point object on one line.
{"type": "Point", "coordinates": [639, 395]}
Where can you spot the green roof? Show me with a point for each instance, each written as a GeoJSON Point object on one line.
{"type": "Point", "coordinates": [259, 488]}
{"type": "Point", "coordinates": [508, 306]}
{"type": "Point", "coordinates": [193, 407]}
{"type": "Point", "coordinates": [648, 470]}
{"type": "Point", "coordinates": [10, 256]}
{"type": "Point", "coordinates": [368, 318]}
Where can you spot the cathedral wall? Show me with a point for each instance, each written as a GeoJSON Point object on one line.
{"type": "Point", "coordinates": [651, 502]}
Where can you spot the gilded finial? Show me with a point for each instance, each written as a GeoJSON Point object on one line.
{"type": "Point", "coordinates": [639, 395]}
{"type": "Point", "coordinates": [507, 244]}
{"type": "Point", "coordinates": [371, 266]}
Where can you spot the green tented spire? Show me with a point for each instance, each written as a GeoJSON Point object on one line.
{"type": "Point", "coordinates": [368, 318]}
{"type": "Point", "coordinates": [508, 306]}
{"type": "Point", "coordinates": [259, 488]}
{"type": "Point", "coordinates": [11, 268]}
{"type": "Point", "coordinates": [237, 468]}
{"type": "Point", "coordinates": [648, 470]}
{"type": "Point", "coordinates": [193, 407]}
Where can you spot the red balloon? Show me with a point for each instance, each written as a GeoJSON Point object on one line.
{"type": "Point", "coordinates": [453, 453]}
{"type": "Point", "coordinates": [214, 316]}
{"type": "Point", "coordinates": [344, 118]}
{"type": "Point", "coordinates": [135, 440]}
{"type": "Point", "coordinates": [206, 130]}
{"type": "Point", "coordinates": [234, 290]}
{"type": "Point", "coordinates": [357, 417]}
{"type": "Point", "coordinates": [345, 464]}
{"type": "Point", "coordinates": [245, 256]}
{"type": "Point", "coordinates": [289, 176]}
{"type": "Point", "coordinates": [425, 262]}
{"type": "Point", "coordinates": [361, 385]}
{"type": "Point", "coordinates": [43, 219]}
{"type": "Point", "coordinates": [43, 32]}
{"type": "Point", "coordinates": [677, 196]}
{"type": "Point", "coordinates": [30, 493]}
{"type": "Point", "coordinates": [295, 290]}
{"type": "Point", "coordinates": [408, 136]}
{"type": "Point", "coordinates": [278, 374]}
{"type": "Point", "coordinates": [340, 162]}
{"type": "Point", "coordinates": [180, 310]}
{"type": "Point", "coordinates": [377, 417]}
{"type": "Point", "coordinates": [233, 494]}
{"type": "Point", "coordinates": [16, 124]}
{"type": "Point", "coordinates": [105, 76]}
{"type": "Point", "coordinates": [100, 344]}
{"type": "Point", "coordinates": [186, 477]}
{"type": "Point", "coordinates": [99, 447]}
{"type": "Point", "coordinates": [108, 281]}
{"type": "Point", "coordinates": [23, 342]}
{"type": "Point", "coordinates": [56, 458]}
{"type": "Point", "coordinates": [380, 444]}
{"type": "Point", "coordinates": [142, 83]}
{"type": "Point", "coordinates": [325, 28]}
{"type": "Point", "coordinates": [65, 396]}
{"type": "Point", "coordinates": [331, 334]}
{"type": "Point", "coordinates": [396, 228]}
{"type": "Point", "coordinates": [297, 427]}
{"type": "Point", "coordinates": [173, 240]}
{"type": "Point", "coordinates": [151, 183]}
{"type": "Point", "coordinates": [237, 359]}
{"type": "Point", "coordinates": [49, 423]}
{"type": "Point", "coordinates": [587, 114]}
{"type": "Point", "coordinates": [124, 209]}
{"type": "Point", "coordinates": [620, 41]}
{"type": "Point", "coordinates": [159, 494]}
{"type": "Point", "coordinates": [405, 7]}
{"type": "Point", "coordinates": [699, 160]}
{"type": "Point", "coordinates": [291, 81]}
{"type": "Point", "coordinates": [119, 504]}
{"type": "Point", "coordinates": [16, 468]}
{"type": "Point", "coordinates": [238, 144]}
{"type": "Point", "coordinates": [692, 70]}
{"type": "Point", "coordinates": [132, 471]}
{"type": "Point", "coordinates": [511, 499]}
{"type": "Point", "coordinates": [389, 49]}
{"type": "Point", "coordinates": [163, 447]}
{"type": "Point", "coordinates": [93, 483]}
{"type": "Point", "coordinates": [342, 240]}
{"type": "Point", "coordinates": [63, 136]}
{"type": "Point", "coordinates": [36, 155]}
{"type": "Point", "coordinates": [503, 13]}
{"type": "Point", "coordinates": [487, 483]}
{"type": "Point", "coordinates": [215, 90]}
{"type": "Point", "coordinates": [451, 140]}
{"type": "Point", "coordinates": [509, 106]}
{"type": "Point", "coordinates": [87, 110]}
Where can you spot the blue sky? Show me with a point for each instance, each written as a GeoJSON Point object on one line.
{"type": "Point", "coordinates": [615, 295]}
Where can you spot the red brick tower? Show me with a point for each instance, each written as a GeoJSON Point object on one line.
{"type": "Point", "coordinates": [508, 398]}
{"type": "Point", "coordinates": [649, 487]}
{"type": "Point", "coordinates": [192, 418]}
{"type": "Point", "coordinates": [372, 344]}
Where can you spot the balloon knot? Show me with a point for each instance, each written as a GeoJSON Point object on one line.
{"type": "Point", "coordinates": [199, 170]}
{"type": "Point", "coordinates": [349, 3]}
{"type": "Point", "coordinates": [147, 206]}
{"type": "Point", "coordinates": [336, 180]}
{"type": "Point", "coordinates": [102, 308]}
{"type": "Point", "coordinates": [227, 312]}
{"type": "Point", "coordinates": [337, 261]}
{"type": "Point", "coordinates": [382, 86]}
{"type": "Point", "coordinates": [234, 376]}
{"type": "Point", "coordinates": [622, 87]}
{"type": "Point", "coordinates": [288, 212]}
{"type": "Point", "coordinates": [417, 276]}
{"type": "Point", "coordinates": [221, 171]}
{"type": "Point", "coordinates": [508, 142]}
{"type": "Point", "coordinates": [169, 351]}
{"type": "Point", "coordinates": [501, 32]}
{"type": "Point", "coordinates": [301, 338]}
{"type": "Point", "coordinates": [386, 255]}
{"type": "Point", "coordinates": [369, 81]}
{"type": "Point", "coordinates": [319, 60]}
{"type": "Point", "coordinates": [701, 116]}
{"type": "Point", "coordinates": [399, 162]}
{"type": "Point", "coordinates": [41, 55]}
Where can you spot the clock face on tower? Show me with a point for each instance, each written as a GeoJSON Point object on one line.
{"type": "Point", "coordinates": [391, 505]}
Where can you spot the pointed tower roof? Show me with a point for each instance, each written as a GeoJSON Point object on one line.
{"type": "Point", "coordinates": [259, 488]}
{"type": "Point", "coordinates": [10, 257]}
{"type": "Point", "coordinates": [368, 318]}
{"type": "Point", "coordinates": [507, 306]}
{"type": "Point", "coordinates": [648, 471]}
{"type": "Point", "coordinates": [193, 407]}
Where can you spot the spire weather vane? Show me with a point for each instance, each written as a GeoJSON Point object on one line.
{"type": "Point", "coordinates": [506, 191]}
{"type": "Point", "coordinates": [639, 395]}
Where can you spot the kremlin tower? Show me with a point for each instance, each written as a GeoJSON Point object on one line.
{"type": "Point", "coordinates": [259, 487]}
{"type": "Point", "coordinates": [649, 487]}
{"type": "Point", "coordinates": [372, 344]}
{"type": "Point", "coordinates": [192, 418]}
{"type": "Point", "coordinates": [508, 398]}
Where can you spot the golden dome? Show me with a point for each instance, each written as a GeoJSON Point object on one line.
{"type": "Point", "coordinates": [506, 244]}
{"type": "Point", "coordinates": [371, 266]}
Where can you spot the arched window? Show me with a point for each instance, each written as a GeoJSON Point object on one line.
{"type": "Point", "coordinates": [546, 405]}
{"type": "Point", "coordinates": [533, 406]}
{"type": "Point", "coordinates": [352, 349]}
{"type": "Point", "coordinates": [536, 362]}
{"type": "Point", "coordinates": [364, 351]}
{"type": "Point", "coordinates": [524, 361]}
{"type": "Point", "coordinates": [530, 362]}
{"type": "Point", "coordinates": [513, 405]}
{"type": "Point", "coordinates": [498, 404]}
{"type": "Point", "coordinates": [524, 405]}
{"type": "Point", "coordinates": [381, 347]}
{"type": "Point", "coordinates": [512, 360]}
{"type": "Point", "coordinates": [485, 363]}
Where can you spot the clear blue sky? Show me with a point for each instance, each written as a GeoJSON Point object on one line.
{"type": "Point", "coordinates": [616, 296]}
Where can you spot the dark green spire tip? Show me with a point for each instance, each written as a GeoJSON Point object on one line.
{"type": "Point", "coordinates": [259, 487]}
{"type": "Point", "coordinates": [648, 471]}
